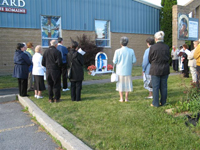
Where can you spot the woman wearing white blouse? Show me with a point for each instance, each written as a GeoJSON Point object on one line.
{"type": "Point", "coordinates": [38, 72]}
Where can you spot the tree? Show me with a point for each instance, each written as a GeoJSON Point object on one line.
{"type": "Point", "coordinates": [166, 19]}
{"type": "Point", "coordinates": [89, 46]}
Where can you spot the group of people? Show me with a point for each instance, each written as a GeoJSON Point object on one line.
{"type": "Point", "coordinates": [184, 60]}
{"type": "Point", "coordinates": [54, 63]}
{"type": "Point", "coordinates": [56, 60]}
{"type": "Point", "coordinates": [155, 68]}
{"type": "Point", "coordinates": [28, 63]}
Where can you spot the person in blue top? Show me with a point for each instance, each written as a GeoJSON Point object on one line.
{"type": "Point", "coordinates": [124, 59]}
{"type": "Point", "coordinates": [64, 52]}
{"type": "Point", "coordinates": [21, 68]}
{"type": "Point", "coordinates": [146, 67]}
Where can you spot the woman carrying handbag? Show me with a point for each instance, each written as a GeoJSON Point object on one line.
{"type": "Point", "coordinates": [75, 65]}
{"type": "Point", "coordinates": [123, 59]}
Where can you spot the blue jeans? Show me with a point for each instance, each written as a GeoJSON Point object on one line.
{"type": "Point", "coordinates": [159, 83]}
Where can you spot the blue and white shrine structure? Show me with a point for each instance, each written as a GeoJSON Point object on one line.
{"type": "Point", "coordinates": [101, 64]}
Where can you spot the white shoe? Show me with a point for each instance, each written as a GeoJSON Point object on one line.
{"type": "Point", "coordinates": [35, 96]}
{"type": "Point", "coordinates": [64, 90]}
{"type": "Point", "coordinates": [38, 97]}
{"type": "Point", "coordinates": [151, 97]}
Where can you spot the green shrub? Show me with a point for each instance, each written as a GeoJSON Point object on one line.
{"type": "Point", "coordinates": [190, 101]}
{"type": "Point", "coordinates": [89, 46]}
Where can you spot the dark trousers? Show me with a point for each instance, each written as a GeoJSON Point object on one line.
{"type": "Point", "coordinates": [186, 69]}
{"type": "Point", "coordinates": [64, 75]}
{"type": "Point", "coordinates": [76, 87]}
{"type": "Point", "coordinates": [54, 86]}
{"type": "Point", "coordinates": [30, 81]}
{"type": "Point", "coordinates": [175, 64]}
{"type": "Point", "coordinates": [159, 83]}
{"type": "Point", "coordinates": [22, 83]}
{"type": "Point", "coordinates": [198, 76]}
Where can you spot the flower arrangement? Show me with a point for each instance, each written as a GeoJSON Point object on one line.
{"type": "Point", "coordinates": [104, 67]}
{"type": "Point", "coordinates": [109, 67]}
{"type": "Point", "coordinates": [91, 68]}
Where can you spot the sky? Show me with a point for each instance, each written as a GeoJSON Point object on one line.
{"type": "Point", "coordinates": [157, 2]}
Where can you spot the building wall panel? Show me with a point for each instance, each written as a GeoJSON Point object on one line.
{"type": "Point", "coordinates": [11, 36]}
{"type": "Point", "coordinates": [126, 16]}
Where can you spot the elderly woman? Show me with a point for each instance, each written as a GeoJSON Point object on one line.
{"type": "Point", "coordinates": [159, 56]}
{"type": "Point", "coordinates": [22, 63]}
{"type": "Point", "coordinates": [123, 59]}
{"type": "Point", "coordinates": [38, 72]}
{"type": "Point", "coordinates": [146, 66]}
{"type": "Point", "coordinates": [75, 61]}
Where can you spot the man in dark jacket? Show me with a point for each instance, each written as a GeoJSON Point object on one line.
{"type": "Point", "coordinates": [64, 52]}
{"type": "Point", "coordinates": [159, 55]}
{"type": "Point", "coordinates": [52, 60]}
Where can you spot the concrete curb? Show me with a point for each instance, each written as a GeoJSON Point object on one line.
{"type": "Point", "coordinates": [7, 98]}
{"type": "Point", "coordinates": [68, 140]}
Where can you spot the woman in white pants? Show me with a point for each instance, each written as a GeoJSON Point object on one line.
{"type": "Point", "coordinates": [192, 63]}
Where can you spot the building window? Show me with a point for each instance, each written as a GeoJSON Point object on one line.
{"type": "Point", "coordinates": [102, 30]}
{"type": "Point", "coordinates": [50, 29]}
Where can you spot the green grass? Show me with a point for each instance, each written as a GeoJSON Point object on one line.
{"type": "Point", "coordinates": [104, 123]}
{"type": "Point", "coordinates": [8, 82]}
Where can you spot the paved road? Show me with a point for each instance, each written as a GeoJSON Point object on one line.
{"type": "Point", "coordinates": [18, 132]}
{"type": "Point", "coordinates": [16, 91]}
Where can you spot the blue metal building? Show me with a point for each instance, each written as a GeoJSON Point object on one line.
{"type": "Point", "coordinates": [40, 21]}
{"type": "Point", "coordinates": [127, 16]}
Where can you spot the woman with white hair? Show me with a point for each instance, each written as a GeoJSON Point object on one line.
{"type": "Point", "coordinates": [123, 59]}
{"type": "Point", "coordinates": [38, 72]}
{"type": "Point", "coordinates": [159, 56]}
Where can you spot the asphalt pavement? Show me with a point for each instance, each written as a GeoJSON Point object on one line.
{"type": "Point", "coordinates": [19, 132]}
